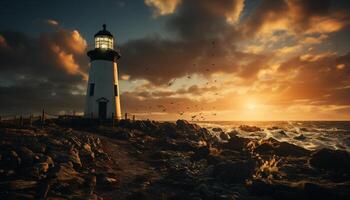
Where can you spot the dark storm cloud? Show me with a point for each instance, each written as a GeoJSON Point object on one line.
{"type": "Point", "coordinates": [204, 44]}
{"type": "Point", "coordinates": [42, 71]}
{"type": "Point", "coordinates": [205, 41]}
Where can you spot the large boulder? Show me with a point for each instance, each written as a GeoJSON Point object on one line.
{"type": "Point", "coordinates": [66, 172]}
{"type": "Point", "coordinates": [236, 143]}
{"type": "Point", "coordinates": [224, 136]}
{"type": "Point", "coordinates": [331, 160]}
{"type": "Point", "coordinates": [272, 146]}
{"type": "Point", "coordinates": [185, 125]}
{"type": "Point", "coordinates": [250, 128]}
{"type": "Point", "coordinates": [168, 129]}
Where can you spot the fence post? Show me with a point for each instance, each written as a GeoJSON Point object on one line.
{"type": "Point", "coordinates": [133, 118]}
{"type": "Point", "coordinates": [30, 119]}
{"type": "Point", "coordinates": [43, 117]}
{"type": "Point", "coordinates": [126, 116]}
{"type": "Point", "coordinates": [113, 119]}
{"type": "Point", "coordinates": [20, 121]}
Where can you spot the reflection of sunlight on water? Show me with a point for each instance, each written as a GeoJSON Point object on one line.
{"type": "Point", "coordinates": [316, 135]}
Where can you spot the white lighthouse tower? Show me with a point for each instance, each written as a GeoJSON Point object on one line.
{"type": "Point", "coordinates": [102, 95]}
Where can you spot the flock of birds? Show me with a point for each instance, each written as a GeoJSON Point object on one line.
{"type": "Point", "coordinates": [201, 116]}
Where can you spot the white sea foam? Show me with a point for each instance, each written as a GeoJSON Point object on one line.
{"type": "Point", "coordinates": [310, 135]}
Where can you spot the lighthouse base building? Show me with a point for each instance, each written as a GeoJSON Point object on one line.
{"type": "Point", "coordinates": [102, 96]}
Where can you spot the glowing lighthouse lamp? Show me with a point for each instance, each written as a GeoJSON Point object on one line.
{"type": "Point", "coordinates": [102, 95]}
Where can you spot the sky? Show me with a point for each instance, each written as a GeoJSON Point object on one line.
{"type": "Point", "coordinates": [207, 60]}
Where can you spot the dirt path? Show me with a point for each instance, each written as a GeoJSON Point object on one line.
{"type": "Point", "coordinates": [133, 173]}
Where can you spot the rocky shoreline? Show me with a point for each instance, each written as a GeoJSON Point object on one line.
{"type": "Point", "coordinates": [78, 159]}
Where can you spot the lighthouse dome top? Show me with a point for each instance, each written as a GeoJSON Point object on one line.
{"type": "Point", "coordinates": [103, 32]}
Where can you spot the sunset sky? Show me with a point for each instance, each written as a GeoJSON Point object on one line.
{"type": "Point", "coordinates": [191, 59]}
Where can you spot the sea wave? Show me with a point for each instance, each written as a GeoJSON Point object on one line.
{"type": "Point", "coordinates": [311, 135]}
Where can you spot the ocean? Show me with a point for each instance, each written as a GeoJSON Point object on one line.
{"type": "Point", "coordinates": [311, 135]}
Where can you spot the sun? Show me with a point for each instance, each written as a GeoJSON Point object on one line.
{"type": "Point", "coordinates": [251, 106]}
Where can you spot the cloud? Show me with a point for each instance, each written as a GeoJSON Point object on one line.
{"type": "Point", "coordinates": [163, 7]}
{"type": "Point", "coordinates": [51, 22]}
{"type": "Point", "coordinates": [317, 78]}
{"type": "Point", "coordinates": [48, 70]}
{"type": "Point", "coordinates": [296, 17]}
{"type": "Point", "coordinates": [204, 43]}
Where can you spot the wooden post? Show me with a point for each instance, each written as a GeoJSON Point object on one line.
{"type": "Point", "coordinates": [43, 117]}
{"type": "Point", "coordinates": [20, 121]}
{"type": "Point", "coordinates": [113, 119]}
{"type": "Point", "coordinates": [133, 118]}
{"type": "Point", "coordinates": [30, 119]}
{"type": "Point", "coordinates": [73, 112]}
{"type": "Point", "coordinates": [126, 116]}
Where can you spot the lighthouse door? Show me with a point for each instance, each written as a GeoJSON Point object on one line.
{"type": "Point", "coordinates": [102, 110]}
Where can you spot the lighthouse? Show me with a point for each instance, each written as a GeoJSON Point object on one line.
{"type": "Point", "coordinates": [102, 95]}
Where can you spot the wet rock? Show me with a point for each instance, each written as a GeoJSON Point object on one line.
{"type": "Point", "coordinates": [250, 128]}
{"type": "Point", "coordinates": [217, 129]}
{"type": "Point", "coordinates": [331, 160]}
{"type": "Point", "coordinates": [300, 137]}
{"type": "Point", "coordinates": [236, 143]}
{"type": "Point", "coordinates": [282, 133]}
{"type": "Point", "coordinates": [233, 133]}
{"type": "Point", "coordinates": [185, 125]}
{"type": "Point", "coordinates": [224, 136]}
{"type": "Point", "coordinates": [273, 128]}
{"type": "Point", "coordinates": [274, 147]}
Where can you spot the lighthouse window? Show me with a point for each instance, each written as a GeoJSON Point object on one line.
{"type": "Point", "coordinates": [115, 90]}
{"type": "Point", "coordinates": [104, 42]}
{"type": "Point", "coordinates": [92, 89]}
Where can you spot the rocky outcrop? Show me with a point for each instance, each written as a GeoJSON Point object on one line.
{"type": "Point", "coordinates": [50, 162]}
{"type": "Point", "coordinates": [174, 161]}
{"type": "Point", "coordinates": [333, 160]}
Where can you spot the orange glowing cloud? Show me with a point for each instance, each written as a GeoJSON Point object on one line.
{"type": "Point", "coordinates": [163, 7]}
{"type": "Point", "coordinates": [67, 62]}
{"type": "Point", "coordinates": [76, 42]}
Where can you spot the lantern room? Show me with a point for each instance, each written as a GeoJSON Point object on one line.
{"type": "Point", "coordinates": [104, 39]}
